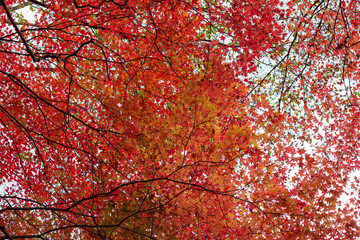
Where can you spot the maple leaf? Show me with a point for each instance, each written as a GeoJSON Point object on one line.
{"type": "Point", "coordinates": [174, 119]}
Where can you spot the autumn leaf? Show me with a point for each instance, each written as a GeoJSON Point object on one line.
{"type": "Point", "coordinates": [179, 119]}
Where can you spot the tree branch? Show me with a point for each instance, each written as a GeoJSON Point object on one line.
{"type": "Point", "coordinates": [38, 3]}
{"type": "Point", "coordinates": [2, 228]}
{"type": "Point", "coordinates": [28, 49]}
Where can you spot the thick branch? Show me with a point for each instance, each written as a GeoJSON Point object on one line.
{"type": "Point", "coordinates": [2, 228]}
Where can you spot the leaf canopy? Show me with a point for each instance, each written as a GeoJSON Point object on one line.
{"type": "Point", "coordinates": [179, 119]}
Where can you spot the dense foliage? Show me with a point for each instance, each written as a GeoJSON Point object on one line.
{"type": "Point", "coordinates": [179, 119]}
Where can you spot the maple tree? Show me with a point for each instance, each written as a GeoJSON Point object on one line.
{"type": "Point", "coordinates": [170, 119]}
